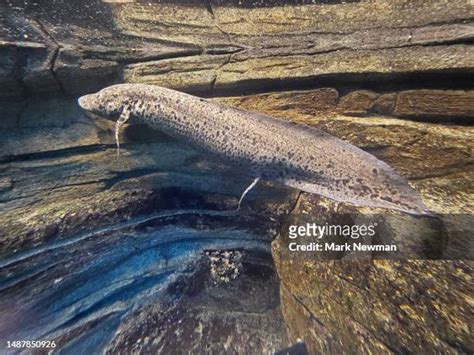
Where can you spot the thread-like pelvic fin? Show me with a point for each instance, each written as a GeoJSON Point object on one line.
{"type": "Point", "coordinates": [124, 116]}
{"type": "Point", "coordinates": [247, 190]}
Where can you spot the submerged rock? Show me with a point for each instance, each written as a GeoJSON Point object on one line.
{"type": "Point", "coordinates": [147, 285]}
{"type": "Point", "coordinates": [225, 265]}
{"type": "Point", "coordinates": [238, 316]}
{"type": "Point", "coordinates": [210, 48]}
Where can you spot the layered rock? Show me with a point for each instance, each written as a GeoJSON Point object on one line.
{"type": "Point", "coordinates": [434, 103]}
{"type": "Point", "coordinates": [213, 49]}
{"type": "Point", "coordinates": [208, 315]}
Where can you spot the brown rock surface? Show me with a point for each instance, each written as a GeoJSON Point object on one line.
{"type": "Point", "coordinates": [435, 103]}
{"type": "Point", "coordinates": [357, 103]}
{"type": "Point", "coordinates": [377, 306]}
{"type": "Point", "coordinates": [384, 104]}
{"type": "Point", "coordinates": [174, 45]}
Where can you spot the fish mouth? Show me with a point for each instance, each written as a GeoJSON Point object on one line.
{"type": "Point", "coordinates": [84, 102]}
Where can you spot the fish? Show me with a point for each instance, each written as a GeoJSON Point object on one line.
{"type": "Point", "coordinates": [268, 148]}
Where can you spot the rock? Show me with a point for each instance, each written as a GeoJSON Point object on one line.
{"type": "Point", "coordinates": [171, 23]}
{"type": "Point", "coordinates": [312, 102]}
{"type": "Point", "coordinates": [5, 183]}
{"type": "Point", "coordinates": [215, 317]}
{"type": "Point", "coordinates": [11, 85]}
{"type": "Point", "coordinates": [9, 114]}
{"type": "Point", "coordinates": [384, 104]}
{"type": "Point", "coordinates": [60, 176]}
{"type": "Point", "coordinates": [298, 349]}
{"type": "Point", "coordinates": [57, 52]}
{"type": "Point", "coordinates": [435, 103]}
{"type": "Point", "coordinates": [337, 18]}
{"type": "Point", "coordinates": [196, 75]}
{"type": "Point", "coordinates": [225, 266]}
{"type": "Point", "coordinates": [383, 306]}
{"type": "Point", "coordinates": [360, 103]}
{"type": "Point", "coordinates": [40, 124]}
{"type": "Point", "coordinates": [35, 63]}
{"type": "Point", "coordinates": [206, 49]}
{"type": "Point", "coordinates": [146, 284]}
{"type": "Point", "coordinates": [288, 51]}
{"type": "Point", "coordinates": [356, 303]}
{"type": "Point", "coordinates": [31, 55]}
{"type": "Point", "coordinates": [78, 75]}
{"type": "Point", "coordinates": [357, 103]}
{"type": "Point", "coordinates": [347, 63]}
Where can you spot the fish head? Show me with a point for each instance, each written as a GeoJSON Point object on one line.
{"type": "Point", "coordinates": [108, 103]}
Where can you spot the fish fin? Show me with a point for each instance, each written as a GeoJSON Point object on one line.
{"type": "Point", "coordinates": [124, 117]}
{"type": "Point", "coordinates": [247, 190]}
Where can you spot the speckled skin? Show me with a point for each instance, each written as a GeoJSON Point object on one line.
{"type": "Point", "coordinates": [298, 156]}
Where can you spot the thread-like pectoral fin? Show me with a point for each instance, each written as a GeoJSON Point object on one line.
{"type": "Point", "coordinates": [124, 116]}
{"type": "Point", "coordinates": [247, 190]}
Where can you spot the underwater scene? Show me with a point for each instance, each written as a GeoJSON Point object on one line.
{"type": "Point", "coordinates": [236, 177]}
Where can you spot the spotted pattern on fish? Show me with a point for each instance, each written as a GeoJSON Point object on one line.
{"type": "Point", "coordinates": [296, 155]}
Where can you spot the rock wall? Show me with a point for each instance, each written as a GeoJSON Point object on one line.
{"type": "Point", "coordinates": [220, 49]}
{"type": "Point", "coordinates": [392, 77]}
